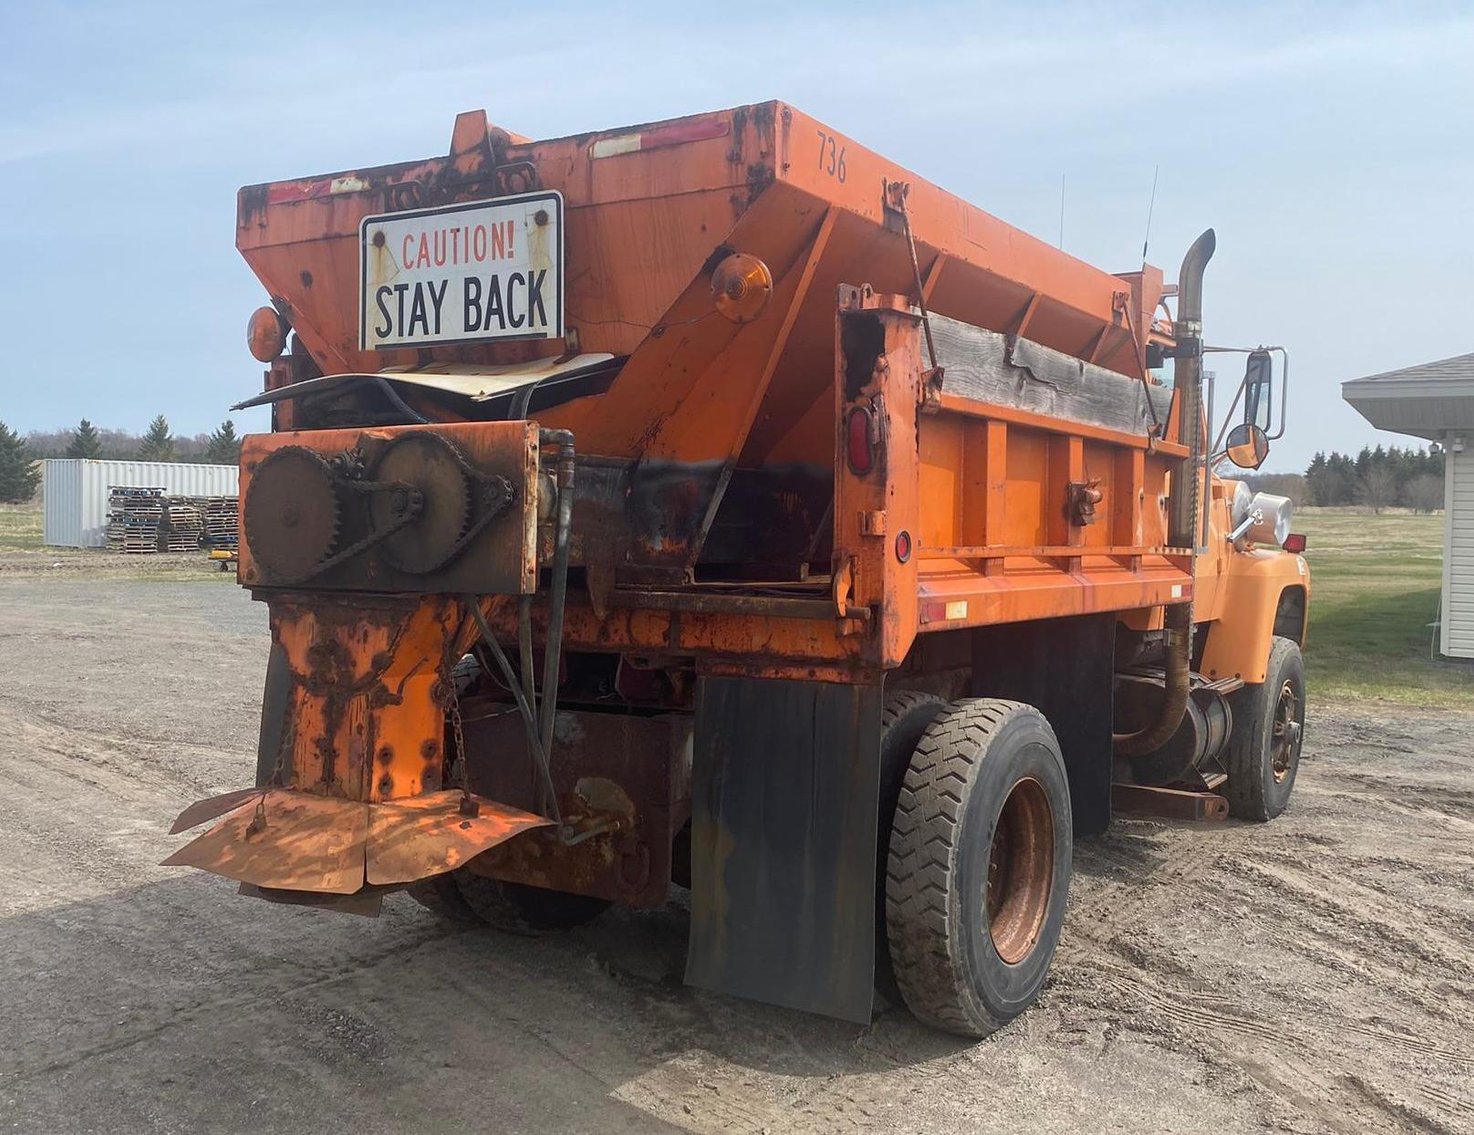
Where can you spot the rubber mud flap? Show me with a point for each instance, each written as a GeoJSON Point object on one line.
{"type": "Point", "coordinates": [783, 853]}
{"type": "Point", "coordinates": [276, 703]}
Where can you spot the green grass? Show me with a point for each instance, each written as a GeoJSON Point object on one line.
{"type": "Point", "coordinates": [20, 527]}
{"type": "Point", "coordinates": [1375, 584]}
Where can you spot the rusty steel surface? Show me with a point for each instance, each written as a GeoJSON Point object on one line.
{"type": "Point", "coordinates": [211, 807]}
{"type": "Point", "coordinates": [426, 835]}
{"type": "Point", "coordinates": [623, 778]}
{"type": "Point", "coordinates": [300, 841]}
{"type": "Point", "coordinates": [1170, 803]}
{"type": "Point", "coordinates": [453, 509]}
{"type": "Point", "coordinates": [289, 840]}
{"type": "Point", "coordinates": [368, 688]}
{"type": "Point", "coordinates": [1020, 870]}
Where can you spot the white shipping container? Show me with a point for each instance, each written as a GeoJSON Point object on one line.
{"type": "Point", "coordinates": [75, 492]}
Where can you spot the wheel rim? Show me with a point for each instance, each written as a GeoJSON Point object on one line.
{"type": "Point", "coordinates": [1284, 739]}
{"type": "Point", "coordinates": [1020, 871]}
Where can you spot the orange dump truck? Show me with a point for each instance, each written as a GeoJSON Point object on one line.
{"type": "Point", "coordinates": [715, 504]}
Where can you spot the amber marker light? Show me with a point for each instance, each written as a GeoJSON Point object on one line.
{"type": "Point", "coordinates": [740, 287]}
{"type": "Point", "coordinates": [266, 334]}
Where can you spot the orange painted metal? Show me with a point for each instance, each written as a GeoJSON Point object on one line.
{"type": "Point", "coordinates": [983, 496]}
{"type": "Point", "coordinates": [640, 227]}
{"type": "Point", "coordinates": [1242, 616]}
{"type": "Point", "coordinates": [960, 513]}
{"type": "Point", "coordinates": [301, 841]}
{"type": "Point", "coordinates": [370, 683]}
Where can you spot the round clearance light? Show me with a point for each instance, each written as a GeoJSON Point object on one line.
{"type": "Point", "coordinates": [741, 286]}
{"type": "Point", "coordinates": [903, 545]}
{"type": "Point", "coordinates": [266, 334]}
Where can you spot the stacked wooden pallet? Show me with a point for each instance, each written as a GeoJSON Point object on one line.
{"type": "Point", "coordinates": [183, 525]}
{"type": "Point", "coordinates": [134, 517]}
{"type": "Point", "coordinates": [222, 521]}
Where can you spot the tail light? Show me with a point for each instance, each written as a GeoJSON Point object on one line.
{"type": "Point", "coordinates": [1294, 542]}
{"type": "Point", "coordinates": [859, 441]}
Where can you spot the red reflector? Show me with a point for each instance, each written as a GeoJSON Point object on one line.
{"type": "Point", "coordinates": [677, 132]}
{"type": "Point", "coordinates": [857, 445]}
{"type": "Point", "coordinates": [1294, 542]}
{"type": "Point", "coordinates": [903, 545]}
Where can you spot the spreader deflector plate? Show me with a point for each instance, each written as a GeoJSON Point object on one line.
{"type": "Point", "coordinates": [299, 841]}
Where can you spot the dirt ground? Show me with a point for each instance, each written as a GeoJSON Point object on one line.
{"type": "Point", "coordinates": [1312, 975]}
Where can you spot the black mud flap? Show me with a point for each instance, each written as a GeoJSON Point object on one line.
{"type": "Point", "coordinates": [1063, 668]}
{"type": "Point", "coordinates": [276, 704]}
{"type": "Point", "coordinates": [784, 803]}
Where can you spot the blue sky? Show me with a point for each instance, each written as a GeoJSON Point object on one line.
{"type": "Point", "coordinates": [1331, 146]}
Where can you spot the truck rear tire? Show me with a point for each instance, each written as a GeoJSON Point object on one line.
{"type": "Point", "coordinates": [978, 873]}
{"type": "Point", "coordinates": [441, 897]}
{"type": "Point", "coordinates": [520, 909]}
{"type": "Point", "coordinates": [1263, 753]}
{"type": "Point", "coordinates": [903, 719]}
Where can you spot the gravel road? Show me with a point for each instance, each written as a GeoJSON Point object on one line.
{"type": "Point", "coordinates": [1312, 975]}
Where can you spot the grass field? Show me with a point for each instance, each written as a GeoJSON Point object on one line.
{"type": "Point", "coordinates": [20, 527]}
{"type": "Point", "coordinates": [1374, 594]}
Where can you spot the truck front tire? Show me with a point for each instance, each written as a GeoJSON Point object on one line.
{"type": "Point", "coordinates": [1268, 728]}
{"type": "Point", "coordinates": [979, 867]}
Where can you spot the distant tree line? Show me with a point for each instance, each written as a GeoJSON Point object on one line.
{"type": "Point", "coordinates": [19, 477]}
{"type": "Point", "coordinates": [1377, 478]}
{"type": "Point", "coordinates": [222, 446]}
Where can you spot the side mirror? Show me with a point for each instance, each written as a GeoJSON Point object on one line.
{"type": "Point", "coordinates": [1259, 390]}
{"type": "Point", "coordinates": [1248, 445]}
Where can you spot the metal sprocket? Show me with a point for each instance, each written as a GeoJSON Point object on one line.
{"type": "Point", "coordinates": [431, 465]}
{"type": "Point", "coordinates": [291, 514]}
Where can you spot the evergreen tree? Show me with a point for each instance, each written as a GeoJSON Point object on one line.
{"type": "Point", "coordinates": [157, 444]}
{"type": "Point", "coordinates": [224, 447]}
{"type": "Point", "coordinates": [85, 442]}
{"type": "Point", "coordinates": [1318, 480]}
{"type": "Point", "coordinates": [18, 480]}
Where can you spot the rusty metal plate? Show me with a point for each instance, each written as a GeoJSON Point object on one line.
{"type": "Point", "coordinates": [367, 903]}
{"type": "Point", "coordinates": [426, 835]}
{"type": "Point", "coordinates": [210, 807]}
{"type": "Point", "coordinates": [284, 839]}
{"type": "Point", "coordinates": [500, 553]}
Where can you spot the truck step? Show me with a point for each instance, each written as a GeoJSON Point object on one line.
{"type": "Point", "coordinates": [1168, 803]}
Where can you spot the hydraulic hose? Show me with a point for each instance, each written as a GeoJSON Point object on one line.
{"type": "Point", "coordinates": [557, 599]}
{"type": "Point", "coordinates": [1182, 517]}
